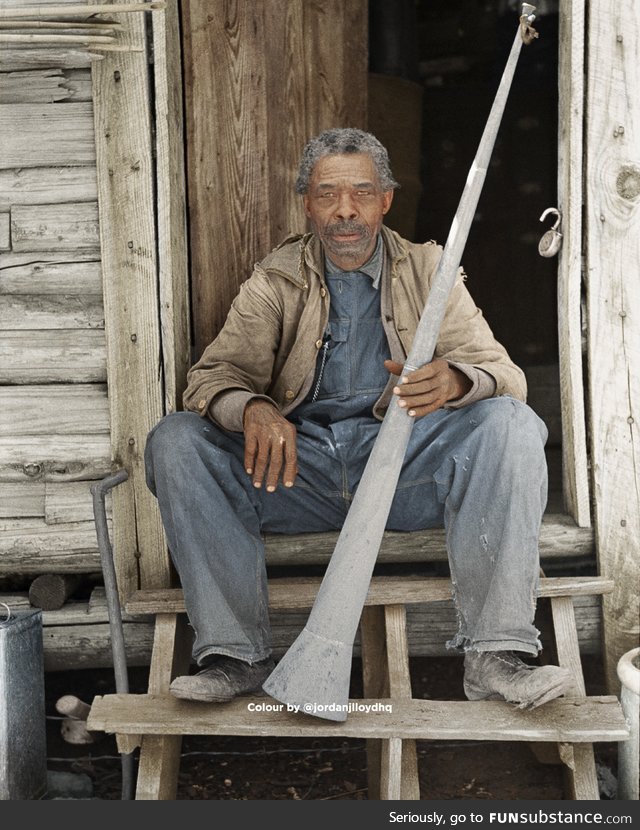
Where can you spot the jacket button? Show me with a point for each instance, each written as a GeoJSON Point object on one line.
{"type": "Point", "coordinates": [318, 344]}
{"type": "Point", "coordinates": [202, 403]}
{"type": "Point", "coordinates": [289, 394]}
{"type": "Point", "coordinates": [323, 292]}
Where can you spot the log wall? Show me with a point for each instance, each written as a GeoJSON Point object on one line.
{"type": "Point", "coordinates": [54, 421]}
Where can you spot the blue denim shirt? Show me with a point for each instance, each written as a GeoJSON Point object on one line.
{"type": "Point", "coordinates": [350, 374]}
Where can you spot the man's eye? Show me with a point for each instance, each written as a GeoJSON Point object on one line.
{"type": "Point", "coordinates": [364, 193]}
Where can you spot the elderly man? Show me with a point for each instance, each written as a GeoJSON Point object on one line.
{"type": "Point", "coordinates": [284, 407]}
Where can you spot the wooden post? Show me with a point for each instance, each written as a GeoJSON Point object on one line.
{"type": "Point", "coordinates": [570, 148]}
{"type": "Point", "coordinates": [171, 195]}
{"type": "Point", "coordinates": [121, 103]}
{"type": "Point", "coordinates": [613, 293]}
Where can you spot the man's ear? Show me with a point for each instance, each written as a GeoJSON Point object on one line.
{"type": "Point", "coordinates": [305, 202]}
{"type": "Point", "coordinates": [387, 199]}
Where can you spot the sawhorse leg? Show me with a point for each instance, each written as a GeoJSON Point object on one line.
{"type": "Point", "coordinates": [160, 754]}
{"type": "Point", "coordinates": [392, 764]}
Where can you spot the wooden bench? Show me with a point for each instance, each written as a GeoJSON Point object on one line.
{"type": "Point", "coordinates": [156, 722]}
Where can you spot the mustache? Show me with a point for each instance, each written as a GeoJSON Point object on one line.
{"type": "Point", "coordinates": [340, 228]}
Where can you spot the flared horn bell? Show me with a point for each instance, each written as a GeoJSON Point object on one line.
{"type": "Point", "coordinates": [313, 676]}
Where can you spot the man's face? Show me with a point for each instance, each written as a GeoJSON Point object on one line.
{"type": "Point", "coordinates": [346, 206]}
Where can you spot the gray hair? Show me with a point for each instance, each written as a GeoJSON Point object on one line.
{"type": "Point", "coordinates": [341, 141]}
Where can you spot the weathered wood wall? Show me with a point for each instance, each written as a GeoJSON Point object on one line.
{"type": "Point", "coordinates": [54, 423]}
{"type": "Point", "coordinates": [613, 308]}
{"type": "Point", "coordinates": [89, 246]}
{"type": "Point", "coordinates": [260, 80]}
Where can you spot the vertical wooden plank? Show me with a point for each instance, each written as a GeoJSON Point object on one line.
{"type": "Point", "coordinates": [579, 759]}
{"type": "Point", "coordinates": [128, 243]}
{"type": "Point", "coordinates": [400, 687]}
{"type": "Point", "coordinates": [171, 195]}
{"type": "Point", "coordinates": [227, 150]}
{"type": "Point", "coordinates": [260, 79]}
{"type": "Point", "coordinates": [613, 308]}
{"type": "Point", "coordinates": [570, 149]}
{"type": "Point", "coordinates": [286, 82]}
{"type": "Point", "coordinates": [336, 65]}
{"type": "Point", "coordinates": [375, 683]}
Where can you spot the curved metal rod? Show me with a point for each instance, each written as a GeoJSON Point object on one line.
{"type": "Point", "coordinates": [314, 673]}
{"type": "Point", "coordinates": [99, 491]}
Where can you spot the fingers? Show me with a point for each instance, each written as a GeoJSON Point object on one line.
{"type": "Point", "coordinates": [270, 443]}
{"type": "Point", "coordinates": [424, 390]}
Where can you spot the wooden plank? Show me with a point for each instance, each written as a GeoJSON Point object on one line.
{"type": "Point", "coordinates": [230, 150]}
{"type": "Point", "coordinates": [61, 410]}
{"type": "Point", "coordinates": [20, 312]}
{"type": "Point", "coordinates": [69, 502]}
{"type": "Point", "coordinates": [172, 208]}
{"type": "Point", "coordinates": [570, 200]}
{"type": "Point", "coordinates": [44, 135]}
{"type": "Point", "coordinates": [36, 86]}
{"type": "Point", "coordinates": [429, 626]}
{"type": "Point", "coordinates": [13, 9]}
{"type": "Point", "coordinates": [128, 244]}
{"type": "Point", "coordinates": [50, 273]}
{"type": "Point", "coordinates": [77, 83]}
{"type": "Point", "coordinates": [78, 647]}
{"type": "Point", "coordinates": [613, 298]}
{"type": "Point", "coordinates": [56, 227]}
{"type": "Point", "coordinates": [19, 58]}
{"type": "Point", "coordinates": [47, 185]}
{"type": "Point", "coordinates": [400, 688]}
{"type": "Point", "coordinates": [19, 500]}
{"type": "Point", "coordinates": [582, 766]}
{"type": "Point", "coordinates": [336, 64]}
{"type": "Point", "coordinates": [300, 592]}
{"type": "Point", "coordinates": [286, 80]}
{"type": "Point", "coordinates": [53, 356]}
{"type": "Point", "coordinates": [54, 457]}
{"type": "Point", "coordinates": [311, 67]}
{"type": "Point", "coordinates": [568, 719]}
{"type": "Point", "coordinates": [559, 537]}
{"type": "Point", "coordinates": [34, 548]}
{"type": "Point", "coordinates": [5, 231]}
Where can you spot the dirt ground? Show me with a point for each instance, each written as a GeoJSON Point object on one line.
{"type": "Point", "coordinates": [299, 769]}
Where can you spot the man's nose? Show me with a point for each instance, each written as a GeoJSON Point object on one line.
{"type": "Point", "coordinates": [346, 207]}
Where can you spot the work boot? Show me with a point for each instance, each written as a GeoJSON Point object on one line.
{"type": "Point", "coordinates": [502, 675]}
{"type": "Point", "coordinates": [223, 680]}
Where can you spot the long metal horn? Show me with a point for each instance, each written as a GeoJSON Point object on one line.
{"type": "Point", "coordinates": [314, 673]}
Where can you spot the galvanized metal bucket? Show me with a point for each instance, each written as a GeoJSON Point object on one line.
{"type": "Point", "coordinates": [23, 743]}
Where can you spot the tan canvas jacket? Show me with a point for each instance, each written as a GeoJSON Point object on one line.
{"type": "Point", "coordinates": [269, 343]}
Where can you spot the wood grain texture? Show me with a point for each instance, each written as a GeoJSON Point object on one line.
{"type": "Point", "coordinates": [29, 312]}
{"type": "Point", "coordinates": [283, 71]}
{"type": "Point", "coordinates": [45, 135]}
{"type": "Point", "coordinates": [53, 356]}
{"type": "Point", "coordinates": [54, 409]}
{"type": "Point", "coordinates": [128, 244]}
{"type": "Point", "coordinates": [50, 273]}
{"type": "Point", "coordinates": [171, 204]}
{"type": "Point", "coordinates": [47, 185]}
{"type": "Point", "coordinates": [571, 91]}
{"type": "Point", "coordinates": [56, 227]}
{"type": "Point", "coordinates": [613, 310]}
{"type": "Point", "coordinates": [576, 720]}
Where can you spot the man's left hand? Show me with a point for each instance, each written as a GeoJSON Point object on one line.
{"type": "Point", "coordinates": [428, 388]}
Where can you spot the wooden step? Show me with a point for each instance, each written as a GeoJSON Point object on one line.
{"type": "Point", "coordinates": [567, 720]}
{"type": "Point", "coordinates": [560, 537]}
{"type": "Point", "coordinates": [293, 593]}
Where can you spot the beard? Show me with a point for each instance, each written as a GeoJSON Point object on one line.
{"type": "Point", "coordinates": [347, 248]}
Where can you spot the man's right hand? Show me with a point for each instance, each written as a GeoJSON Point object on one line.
{"type": "Point", "coordinates": [269, 443]}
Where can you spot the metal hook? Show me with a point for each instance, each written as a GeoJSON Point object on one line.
{"type": "Point", "coordinates": [557, 213]}
{"type": "Point", "coordinates": [8, 611]}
